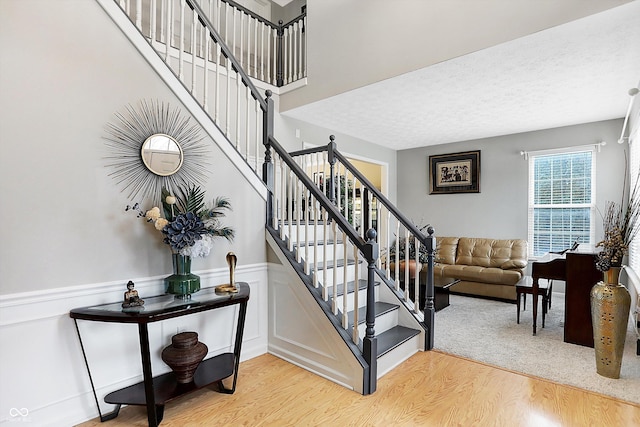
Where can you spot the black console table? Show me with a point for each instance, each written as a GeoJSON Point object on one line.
{"type": "Point", "coordinates": [155, 392]}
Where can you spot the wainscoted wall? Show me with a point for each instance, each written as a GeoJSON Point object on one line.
{"type": "Point", "coordinates": [301, 333]}
{"type": "Point", "coordinates": [44, 379]}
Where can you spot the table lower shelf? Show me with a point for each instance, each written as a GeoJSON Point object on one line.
{"type": "Point", "coordinates": [166, 388]}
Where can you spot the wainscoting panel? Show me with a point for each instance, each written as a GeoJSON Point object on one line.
{"type": "Point", "coordinates": [301, 333]}
{"type": "Point", "coordinates": [44, 378]}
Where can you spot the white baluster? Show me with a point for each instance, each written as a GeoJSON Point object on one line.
{"type": "Point", "coordinates": [356, 295]}
{"type": "Point", "coordinates": [306, 208]}
{"type": "Point", "coordinates": [234, 31]}
{"type": "Point", "coordinates": [334, 290]}
{"type": "Point", "coordinates": [169, 33]}
{"type": "Point", "coordinates": [294, 56]}
{"type": "Point", "coordinates": [193, 53]}
{"type": "Point", "coordinates": [274, 76]}
{"type": "Point", "coordinates": [241, 49]}
{"type": "Point", "coordinates": [255, 49]}
{"type": "Point", "coordinates": [291, 52]}
{"type": "Point", "coordinates": [228, 70]}
{"type": "Point", "coordinates": [315, 241]}
{"type": "Point", "coordinates": [290, 204]}
{"type": "Point", "coordinates": [300, 48]}
{"type": "Point", "coordinates": [406, 265]}
{"type": "Point", "coordinates": [285, 56]}
{"type": "Point", "coordinates": [397, 261]}
{"type": "Point", "coordinates": [153, 11]}
{"type": "Point", "coordinates": [181, 52]}
{"type": "Point", "coordinates": [238, 101]}
{"type": "Point", "coordinates": [345, 306]}
{"type": "Point", "coordinates": [304, 68]}
{"type": "Point", "coordinates": [298, 215]}
{"type": "Point", "coordinates": [262, 29]}
{"type": "Point", "coordinates": [258, 132]}
{"type": "Point", "coordinates": [139, 14]}
{"type": "Point", "coordinates": [283, 196]}
{"type": "Point", "coordinates": [388, 248]}
{"type": "Point", "coordinates": [417, 278]}
{"type": "Point", "coordinates": [247, 119]}
{"type": "Point", "coordinates": [325, 242]}
{"type": "Point", "coordinates": [207, 47]}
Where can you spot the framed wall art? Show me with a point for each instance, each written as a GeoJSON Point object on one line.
{"type": "Point", "coordinates": [454, 173]}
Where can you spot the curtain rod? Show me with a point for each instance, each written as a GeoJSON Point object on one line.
{"type": "Point", "coordinates": [632, 93]}
{"type": "Point", "coordinates": [597, 146]}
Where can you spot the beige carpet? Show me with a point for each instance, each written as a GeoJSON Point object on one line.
{"type": "Point", "coordinates": [487, 331]}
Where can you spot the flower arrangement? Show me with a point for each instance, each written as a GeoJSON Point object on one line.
{"type": "Point", "coordinates": [189, 226]}
{"type": "Point", "coordinates": [620, 224]}
{"type": "Point", "coordinates": [422, 252]}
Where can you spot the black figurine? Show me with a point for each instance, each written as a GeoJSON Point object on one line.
{"type": "Point", "coordinates": [131, 298]}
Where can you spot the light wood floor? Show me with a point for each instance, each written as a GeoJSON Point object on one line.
{"type": "Point", "coordinates": [429, 389]}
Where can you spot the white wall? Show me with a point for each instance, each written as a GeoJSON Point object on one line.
{"type": "Point", "coordinates": [500, 209]}
{"type": "Point", "coordinates": [66, 240]}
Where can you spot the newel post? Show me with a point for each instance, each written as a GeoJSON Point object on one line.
{"type": "Point", "coordinates": [332, 164]}
{"type": "Point", "coordinates": [429, 309]}
{"type": "Point", "coordinates": [267, 166]}
{"type": "Point", "coordinates": [280, 56]}
{"type": "Point", "coordinates": [370, 342]}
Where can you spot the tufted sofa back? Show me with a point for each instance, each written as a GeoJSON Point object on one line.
{"type": "Point", "coordinates": [505, 254]}
{"type": "Point", "coordinates": [446, 249]}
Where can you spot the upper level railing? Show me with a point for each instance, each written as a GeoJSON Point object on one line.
{"type": "Point", "coordinates": [272, 53]}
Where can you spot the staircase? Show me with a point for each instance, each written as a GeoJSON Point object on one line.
{"type": "Point", "coordinates": [337, 307]}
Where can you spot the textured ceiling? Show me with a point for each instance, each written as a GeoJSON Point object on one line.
{"type": "Point", "coordinates": [576, 73]}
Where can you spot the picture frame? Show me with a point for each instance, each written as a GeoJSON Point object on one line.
{"type": "Point", "coordinates": [454, 173]}
{"type": "Point", "coordinates": [318, 179]}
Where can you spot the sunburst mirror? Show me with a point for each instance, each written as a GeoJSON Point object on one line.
{"type": "Point", "coordinates": [153, 146]}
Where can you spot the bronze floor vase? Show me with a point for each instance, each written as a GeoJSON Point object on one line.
{"type": "Point", "coordinates": [610, 303]}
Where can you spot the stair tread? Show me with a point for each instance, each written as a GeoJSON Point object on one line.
{"type": "Point", "coordinates": [390, 339]}
{"type": "Point", "coordinates": [379, 309]}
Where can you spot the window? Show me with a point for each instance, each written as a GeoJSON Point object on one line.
{"type": "Point", "coordinates": [561, 200]}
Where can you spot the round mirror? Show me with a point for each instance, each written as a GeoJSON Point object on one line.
{"type": "Point", "coordinates": [162, 154]}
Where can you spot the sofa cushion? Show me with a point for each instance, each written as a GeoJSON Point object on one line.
{"type": "Point", "coordinates": [474, 273]}
{"type": "Point", "coordinates": [446, 248]}
{"type": "Point", "coordinates": [491, 252]}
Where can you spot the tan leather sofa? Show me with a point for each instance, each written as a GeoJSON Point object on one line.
{"type": "Point", "coordinates": [485, 267]}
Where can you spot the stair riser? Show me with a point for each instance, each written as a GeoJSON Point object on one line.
{"type": "Point", "coordinates": [383, 323]}
{"type": "Point", "coordinates": [303, 233]}
{"type": "Point", "coordinates": [308, 252]}
{"type": "Point", "coordinates": [362, 299]}
{"type": "Point", "coordinates": [398, 355]}
{"type": "Point", "coordinates": [351, 275]}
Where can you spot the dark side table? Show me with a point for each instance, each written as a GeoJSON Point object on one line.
{"type": "Point", "coordinates": [154, 392]}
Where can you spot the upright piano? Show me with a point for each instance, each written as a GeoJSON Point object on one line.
{"type": "Point", "coordinates": [578, 271]}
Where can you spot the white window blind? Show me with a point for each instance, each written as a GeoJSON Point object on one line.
{"type": "Point", "coordinates": [561, 200]}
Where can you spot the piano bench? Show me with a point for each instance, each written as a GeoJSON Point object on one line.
{"type": "Point", "coordinates": [524, 287]}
